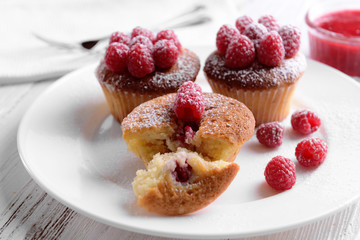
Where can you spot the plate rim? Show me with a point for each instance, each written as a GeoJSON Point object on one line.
{"type": "Point", "coordinates": [64, 79]}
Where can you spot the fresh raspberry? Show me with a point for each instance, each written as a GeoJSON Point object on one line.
{"type": "Point", "coordinates": [271, 51]}
{"type": "Point", "coordinates": [142, 40]}
{"type": "Point", "coordinates": [270, 134]}
{"type": "Point", "coordinates": [182, 173]}
{"type": "Point", "coordinates": [140, 61]}
{"type": "Point", "coordinates": [144, 32]}
{"type": "Point", "coordinates": [189, 102]}
{"type": "Point", "coordinates": [224, 36]}
{"type": "Point", "coordinates": [305, 121]}
{"type": "Point", "coordinates": [120, 38]}
{"type": "Point", "coordinates": [240, 52]}
{"type": "Point", "coordinates": [165, 53]}
{"type": "Point", "coordinates": [116, 57]}
{"type": "Point", "coordinates": [311, 152]}
{"type": "Point", "coordinates": [290, 36]}
{"type": "Point", "coordinates": [255, 31]}
{"type": "Point", "coordinates": [280, 173]}
{"type": "Point", "coordinates": [269, 22]}
{"type": "Point", "coordinates": [169, 35]}
{"type": "Point", "coordinates": [242, 22]}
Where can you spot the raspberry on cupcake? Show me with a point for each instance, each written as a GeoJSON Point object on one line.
{"type": "Point", "coordinates": [143, 65]}
{"type": "Point", "coordinates": [188, 142]}
{"type": "Point", "coordinates": [208, 123]}
{"type": "Point", "coordinates": [263, 74]}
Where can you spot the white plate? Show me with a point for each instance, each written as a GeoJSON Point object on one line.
{"type": "Point", "coordinates": [73, 149]}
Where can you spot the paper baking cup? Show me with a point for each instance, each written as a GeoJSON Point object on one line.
{"type": "Point", "coordinates": [267, 105]}
{"type": "Point", "coordinates": [121, 103]}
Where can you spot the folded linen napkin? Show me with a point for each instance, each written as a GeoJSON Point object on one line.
{"type": "Point", "coordinates": [25, 58]}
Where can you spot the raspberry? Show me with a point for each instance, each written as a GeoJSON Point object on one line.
{"type": "Point", "coordinates": [280, 173]}
{"type": "Point", "coordinates": [269, 22]}
{"type": "Point", "coordinates": [189, 134]}
{"type": "Point", "coordinates": [270, 134]}
{"type": "Point", "coordinates": [305, 121]}
{"type": "Point", "coordinates": [165, 53]}
{"type": "Point", "coordinates": [186, 135]}
{"type": "Point", "coordinates": [169, 35]}
{"type": "Point", "coordinates": [120, 38]}
{"type": "Point", "coordinates": [240, 52]}
{"type": "Point", "coordinates": [144, 32]}
{"type": "Point", "coordinates": [271, 51]}
{"type": "Point", "coordinates": [224, 36]}
{"type": "Point", "coordinates": [142, 40]}
{"type": "Point", "coordinates": [290, 36]}
{"type": "Point", "coordinates": [255, 31]}
{"type": "Point", "coordinates": [140, 61]}
{"type": "Point", "coordinates": [116, 57]}
{"type": "Point", "coordinates": [311, 152]}
{"type": "Point", "coordinates": [189, 102]}
{"type": "Point", "coordinates": [182, 173]}
{"type": "Point", "coordinates": [242, 22]}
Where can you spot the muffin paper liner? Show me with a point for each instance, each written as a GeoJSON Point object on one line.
{"type": "Point", "coordinates": [121, 103]}
{"type": "Point", "coordinates": [267, 105]}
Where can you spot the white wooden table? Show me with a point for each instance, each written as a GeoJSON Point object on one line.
{"type": "Point", "coordinates": [27, 212]}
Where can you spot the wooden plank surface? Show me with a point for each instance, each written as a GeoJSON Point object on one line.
{"type": "Point", "coordinates": [27, 212]}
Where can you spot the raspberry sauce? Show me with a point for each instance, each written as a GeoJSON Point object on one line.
{"type": "Point", "coordinates": [339, 45]}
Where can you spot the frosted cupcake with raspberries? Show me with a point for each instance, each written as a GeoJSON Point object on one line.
{"type": "Point", "coordinates": [210, 124]}
{"type": "Point", "coordinates": [258, 64]}
{"type": "Point", "coordinates": [141, 66]}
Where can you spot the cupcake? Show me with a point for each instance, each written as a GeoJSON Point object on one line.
{"type": "Point", "coordinates": [210, 124]}
{"type": "Point", "coordinates": [258, 64]}
{"type": "Point", "coordinates": [142, 66]}
{"type": "Point", "coordinates": [181, 182]}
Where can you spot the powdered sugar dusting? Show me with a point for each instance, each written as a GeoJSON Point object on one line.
{"type": "Point", "coordinates": [154, 113]}
{"type": "Point", "coordinates": [257, 76]}
{"type": "Point", "coordinates": [223, 117]}
{"type": "Point", "coordinates": [169, 80]}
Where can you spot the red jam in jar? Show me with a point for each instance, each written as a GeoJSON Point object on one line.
{"type": "Point", "coordinates": [335, 40]}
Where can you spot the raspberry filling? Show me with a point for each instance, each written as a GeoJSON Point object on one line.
{"type": "Point", "coordinates": [183, 171]}
{"type": "Point", "coordinates": [186, 135]}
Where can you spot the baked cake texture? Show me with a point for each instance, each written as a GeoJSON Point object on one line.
{"type": "Point", "coordinates": [225, 125]}
{"type": "Point", "coordinates": [124, 92]}
{"type": "Point", "coordinates": [160, 189]}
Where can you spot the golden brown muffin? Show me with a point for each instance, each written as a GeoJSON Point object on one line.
{"type": "Point", "coordinates": [182, 182]}
{"type": "Point", "coordinates": [266, 91]}
{"type": "Point", "coordinates": [224, 127]}
{"type": "Point", "coordinates": [124, 92]}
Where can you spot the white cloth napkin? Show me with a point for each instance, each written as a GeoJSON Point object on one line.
{"type": "Point", "coordinates": [24, 58]}
{"type": "Point", "coordinates": [35, 63]}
